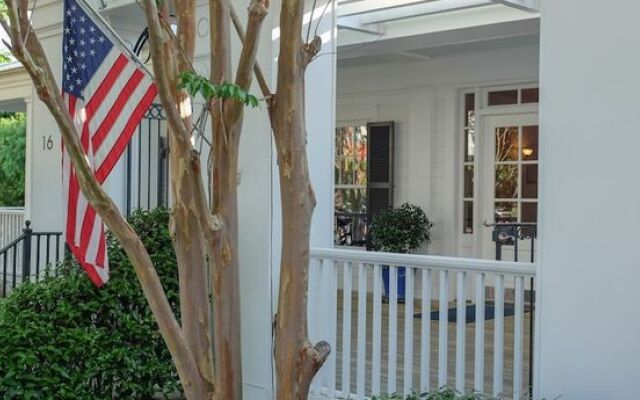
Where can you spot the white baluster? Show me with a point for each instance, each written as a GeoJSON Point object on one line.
{"type": "Point", "coordinates": [425, 332]}
{"type": "Point", "coordinates": [393, 329]}
{"type": "Point", "coordinates": [443, 328]}
{"type": "Point", "coordinates": [377, 330]}
{"type": "Point", "coordinates": [498, 337]}
{"type": "Point", "coordinates": [479, 345]}
{"type": "Point", "coordinates": [461, 320]}
{"type": "Point", "coordinates": [362, 330]}
{"type": "Point", "coordinates": [408, 331]}
{"type": "Point", "coordinates": [346, 330]}
{"type": "Point", "coordinates": [518, 337]}
{"type": "Point", "coordinates": [332, 274]}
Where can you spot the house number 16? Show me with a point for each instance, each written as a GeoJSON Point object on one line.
{"type": "Point", "coordinates": [47, 143]}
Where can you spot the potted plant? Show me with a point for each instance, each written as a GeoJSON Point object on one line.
{"type": "Point", "coordinates": [400, 230]}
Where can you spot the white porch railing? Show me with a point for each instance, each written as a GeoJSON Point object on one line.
{"type": "Point", "coordinates": [11, 224]}
{"type": "Point", "coordinates": [426, 341]}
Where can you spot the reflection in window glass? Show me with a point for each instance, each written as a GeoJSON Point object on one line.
{"type": "Point", "coordinates": [506, 211]}
{"type": "Point", "coordinates": [530, 95]}
{"type": "Point", "coordinates": [468, 181]}
{"type": "Point", "coordinates": [467, 216]}
{"type": "Point", "coordinates": [503, 97]}
{"type": "Point", "coordinates": [351, 200]}
{"type": "Point", "coordinates": [507, 144]}
{"type": "Point", "coordinates": [469, 145]}
{"type": "Point", "coordinates": [530, 143]}
{"type": "Point", "coordinates": [506, 182]}
{"type": "Point", "coordinates": [468, 158]}
{"type": "Point", "coordinates": [350, 196]}
{"type": "Point", "coordinates": [469, 109]}
{"type": "Point", "coordinates": [529, 212]}
{"type": "Point", "coordinates": [529, 181]}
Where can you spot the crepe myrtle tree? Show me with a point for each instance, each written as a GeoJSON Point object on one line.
{"type": "Point", "coordinates": [205, 231]}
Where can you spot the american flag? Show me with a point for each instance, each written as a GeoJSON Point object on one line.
{"type": "Point", "coordinates": [107, 94]}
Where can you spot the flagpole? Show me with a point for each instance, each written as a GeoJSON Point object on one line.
{"type": "Point", "coordinates": [84, 4]}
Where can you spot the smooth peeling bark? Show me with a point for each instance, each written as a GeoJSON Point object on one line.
{"type": "Point", "coordinates": [226, 130]}
{"type": "Point", "coordinates": [188, 198]}
{"type": "Point", "coordinates": [189, 209]}
{"type": "Point", "coordinates": [225, 277]}
{"type": "Point", "coordinates": [297, 360]}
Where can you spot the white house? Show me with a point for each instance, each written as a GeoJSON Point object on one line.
{"type": "Point", "coordinates": [482, 111]}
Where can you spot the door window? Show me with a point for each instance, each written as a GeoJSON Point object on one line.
{"type": "Point", "coordinates": [516, 174]}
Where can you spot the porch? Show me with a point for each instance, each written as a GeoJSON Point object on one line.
{"type": "Point", "coordinates": [484, 346]}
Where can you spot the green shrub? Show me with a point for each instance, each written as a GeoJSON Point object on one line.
{"type": "Point", "coordinates": [401, 229]}
{"type": "Point", "coordinates": [62, 338]}
{"type": "Point", "coordinates": [441, 394]}
{"type": "Point", "coordinates": [444, 393]}
{"type": "Point", "coordinates": [12, 158]}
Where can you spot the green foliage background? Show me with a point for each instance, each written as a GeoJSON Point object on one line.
{"type": "Point", "coordinates": [12, 158]}
{"type": "Point", "coordinates": [64, 339]}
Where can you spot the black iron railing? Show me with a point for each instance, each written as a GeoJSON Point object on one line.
{"type": "Point", "coordinates": [515, 236]}
{"type": "Point", "coordinates": [27, 257]}
{"type": "Point", "coordinates": [147, 168]}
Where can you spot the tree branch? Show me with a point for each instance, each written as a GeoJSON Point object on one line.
{"type": "Point", "coordinates": [262, 82]}
{"type": "Point", "coordinates": [258, 10]}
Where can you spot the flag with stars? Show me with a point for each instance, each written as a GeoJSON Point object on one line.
{"type": "Point", "coordinates": [107, 94]}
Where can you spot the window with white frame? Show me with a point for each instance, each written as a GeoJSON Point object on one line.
{"type": "Point", "coordinates": [468, 162]}
{"type": "Point", "coordinates": [515, 161]}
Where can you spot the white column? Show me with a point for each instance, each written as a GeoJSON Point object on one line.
{"type": "Point", "coordinates": [589, 302]}
{"type": "Point", "coordinates": [45, 162]}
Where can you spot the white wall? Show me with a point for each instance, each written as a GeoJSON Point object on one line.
{"type": "Point", "coordinates": [421, 97]}
{"type": "Point", "coordinates": [589, 302]}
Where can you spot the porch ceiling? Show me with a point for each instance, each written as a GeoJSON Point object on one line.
{"type": "Point", "coordinates": [404, 30]}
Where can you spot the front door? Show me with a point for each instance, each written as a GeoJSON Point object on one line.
{"type": "Point", "coordinates": [510, 183]}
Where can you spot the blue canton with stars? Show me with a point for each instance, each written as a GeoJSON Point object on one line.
{"type": "Point", "coordinates": [84, 47]}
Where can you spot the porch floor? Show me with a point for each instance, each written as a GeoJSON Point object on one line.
{"type": "Point", "coordinates": [507, 392]}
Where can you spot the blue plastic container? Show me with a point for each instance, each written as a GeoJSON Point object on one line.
{"type": "Point", "coordinates": [401, 277]}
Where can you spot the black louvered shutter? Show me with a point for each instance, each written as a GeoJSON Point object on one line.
{"type": "Point", "coordinates": [379, 168]}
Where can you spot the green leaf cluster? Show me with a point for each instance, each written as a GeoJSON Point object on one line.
{"type": "Point", "coordinates": [62, 338]}
{"type": "Point", "coordinates": [4, 57]}
{"type": "Point", "coordinates": [12, 158]}
{"type": "Point", "coordinates": [444, 393]}
{"type": "Point", "coordinates": [400, 230]}
{"type": "Point", "coordinates": [195, 85]}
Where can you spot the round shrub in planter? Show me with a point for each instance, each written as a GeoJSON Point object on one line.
{"type": "Point", "coordinates": [62, 338]}
{"type": "Point", "coordinates": [400, 230]}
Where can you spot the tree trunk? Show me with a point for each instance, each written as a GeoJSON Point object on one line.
{"type": "Point", "coordinates": [224, 203]}
{"type": "Point", "coordinates": [297, 360]}
{"type": "Point", "coordinates": [188, 200]}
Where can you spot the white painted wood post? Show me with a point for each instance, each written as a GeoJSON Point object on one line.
{"type": "Point", "coordinates": [461, 326]}
{"type": "Point", "coordinates": [479, 334]}
{"type": "Point", "coordinates": [518, 337]}
{"type": "Point", "coordinates": [443, 329]}
{"type": "Point", "coordinates": [498, 337]}
{"type": "Point", "coordinates": [425, 336]}
{"type": "Point", "coordinates": [408, 331]}
{"type": "Point", "coordinates": [361, 366]}
{"type": "Point", "coordinates": [346, 329]}
{"type": "Point", "coordinates": [393, 329]}
{"type": "Point", "coordinates": [376, 358]}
